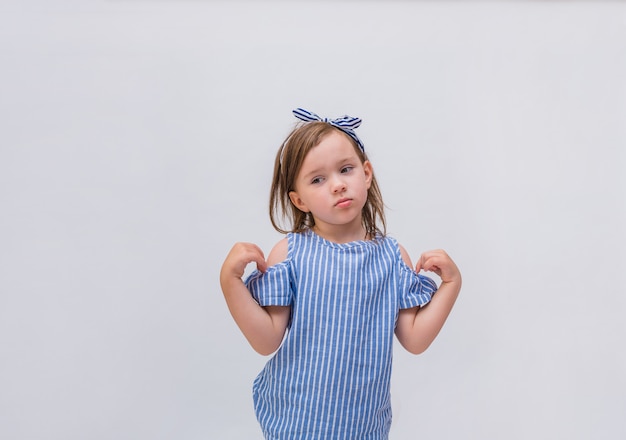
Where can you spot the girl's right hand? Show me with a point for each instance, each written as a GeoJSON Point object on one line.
{"type": "Point", "coordinates": [263, 327]}
{"type": "Point", "coordinates": [239, 257]}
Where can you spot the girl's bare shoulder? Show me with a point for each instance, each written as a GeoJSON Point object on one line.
{"type": "Point", "coordinates": [278, 254]}
{"type": "Point", "coordinates": [405, 255]}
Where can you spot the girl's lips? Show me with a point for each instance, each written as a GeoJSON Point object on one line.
{"type": "Point", "coordinates": [343, 203]}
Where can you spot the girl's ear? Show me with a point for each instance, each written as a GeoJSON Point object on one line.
{"type": "Point", "coordinates": [297, 201]}
{"type": "Point", "coordinates": [369, 173]}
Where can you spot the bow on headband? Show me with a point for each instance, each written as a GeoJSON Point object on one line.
{"type": "Point", "coordinates": [347, 124]}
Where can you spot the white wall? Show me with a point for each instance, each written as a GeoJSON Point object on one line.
{"type": "Point", "coordinates": [137, 139]}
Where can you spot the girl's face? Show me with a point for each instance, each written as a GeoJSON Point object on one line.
{"type": "Point", "coordinates": [332, 185]}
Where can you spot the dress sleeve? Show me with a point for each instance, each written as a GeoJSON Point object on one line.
{"type": "Point", "coordinates": [415, 289]}
{"type": "Point", "coordinates": [272, 287]}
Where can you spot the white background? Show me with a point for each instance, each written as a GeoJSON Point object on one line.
{"type": "Point", "coordinates": [136, 145]}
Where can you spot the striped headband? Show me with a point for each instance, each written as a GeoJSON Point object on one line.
{"type": "Point", "coordinates": [347, 124]}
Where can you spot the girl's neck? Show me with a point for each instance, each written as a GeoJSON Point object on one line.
{"type": "Point", "coordinates": [340, 235]}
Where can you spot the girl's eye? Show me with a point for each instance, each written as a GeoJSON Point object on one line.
{"type": "Point", "coordinates": [317, 180]}
{"type": "Point", "coordinates": [346, 169]}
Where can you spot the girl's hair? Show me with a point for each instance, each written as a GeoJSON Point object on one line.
{"type": "Point", "coordinates": [287, 165]}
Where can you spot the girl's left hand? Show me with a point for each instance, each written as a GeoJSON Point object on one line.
{"type": "Point", "coordinates": [439, 262]}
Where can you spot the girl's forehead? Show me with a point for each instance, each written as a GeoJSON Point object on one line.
{"type": "Point", "coordinates": [335, 146]}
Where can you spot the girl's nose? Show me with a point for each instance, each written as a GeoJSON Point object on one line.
{"type": "Point", "coordinates": [339, 185]}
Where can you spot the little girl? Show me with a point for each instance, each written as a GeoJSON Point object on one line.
{"type": "Point", "coordinates": [332, 293]}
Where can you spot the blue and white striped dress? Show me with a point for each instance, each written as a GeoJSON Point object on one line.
{"type": "Point", "coordinates": [330, 378]}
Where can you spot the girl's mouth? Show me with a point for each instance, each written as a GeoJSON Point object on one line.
{"type": "Point", "coordinates": [343, 203]}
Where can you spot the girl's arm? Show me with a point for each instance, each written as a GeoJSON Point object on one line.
{"type": "Point", "coordinates": [418, 327]}
{"type": "Point", "coordinates": [263, 327]}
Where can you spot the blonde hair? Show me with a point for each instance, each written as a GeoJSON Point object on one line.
{"type": "Point", "coordinates": [287, 165]}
